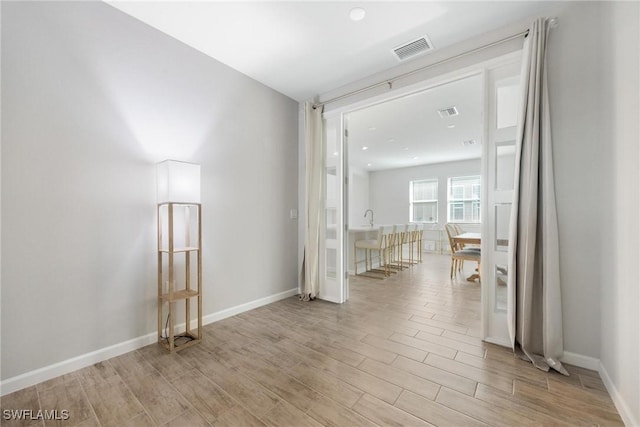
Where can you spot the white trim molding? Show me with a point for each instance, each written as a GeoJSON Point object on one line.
{"type": "Point", "coordinates": [580, 361]}
{"type": "Point", "coordinates": [595, 365]}
{"type": "Point", "coordinates": [621, 405]}
{"type": "Point", "coordinates": [223, 314]}
{"type": "Point", "coordinates": [67, 366]}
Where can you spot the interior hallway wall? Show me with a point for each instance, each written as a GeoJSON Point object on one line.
{"type": "Point", "coordinates": [91, 100]}
{"type": "Point", "coordinates": [575, 96]}
{"type": "Point", "coordinates": [620, 293]}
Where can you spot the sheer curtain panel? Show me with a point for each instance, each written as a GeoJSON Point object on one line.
{"type": "Point", "coordinates": [314, 164]}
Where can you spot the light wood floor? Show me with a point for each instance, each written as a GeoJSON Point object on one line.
{"type": "Point", "coordinates": [403, 351]}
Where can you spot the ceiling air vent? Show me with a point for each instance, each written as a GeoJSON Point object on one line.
{"type": "Point", "coordinates": [448, 112]}
{"type": "Point", "coordinates": [413, 48]}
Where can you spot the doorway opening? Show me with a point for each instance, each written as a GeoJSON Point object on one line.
{"type": "Point", "coordinates": [417, 159]}
{"type": "Point", "coordinates": [430, 155]}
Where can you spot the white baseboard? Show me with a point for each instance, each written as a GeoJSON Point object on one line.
{"type": "Point", "coordinates": [623, 409]}
{"type": "Point", "coordinates": [595, 365]}
{"type": "Point", "coordinates": [581, 361]}
{"type": "Point", "coordinates": [223, 314]}
{"type": "Point", "coordinates": [67, 366]}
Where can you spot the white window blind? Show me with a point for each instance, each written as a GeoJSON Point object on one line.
{"type": "Point", "coordinates": [423, 201]}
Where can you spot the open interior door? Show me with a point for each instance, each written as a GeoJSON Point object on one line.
{"type": "Point", "coordinates": [502, 102]}
{"type": "Point", "coordinates": [333, 286]}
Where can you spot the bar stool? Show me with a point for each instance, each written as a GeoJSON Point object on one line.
{"type": "Point", "coordinates": [400, 234]}
{"type": "Point", "coordinates": [418, 240]}
{"type": "Point", "coordinates": [389, 241]}
{"type": "Point", "coordinates": [410, 239]}
{"type": "Point", "coordinates": [380, 244]}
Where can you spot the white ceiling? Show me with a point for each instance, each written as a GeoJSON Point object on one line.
{"type": "Point", "coordinates": [409, 131]}
{"type": "Point", "coordinates": [307, 48]}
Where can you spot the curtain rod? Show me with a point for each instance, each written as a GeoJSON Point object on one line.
{"type": "Point", "coordinates": [389, 82]}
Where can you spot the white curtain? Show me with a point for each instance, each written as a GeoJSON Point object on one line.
{"type": "Point", "coordinates": [534, 296]}
{"type": "Point", "coordinates": [313, 200]}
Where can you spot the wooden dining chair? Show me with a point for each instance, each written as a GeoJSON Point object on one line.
{"type": "Point", "coordinates": [452, 231]}
{"type": "Point", "coordinates": [459, 254]}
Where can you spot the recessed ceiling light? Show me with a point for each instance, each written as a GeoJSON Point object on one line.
{"type": "Point", "coordinates": [357, 14]}
{"type": "Point", "coordinates": [335, 153]}
{"type": "Point", "coordinates": [451, 126]}
{"type": "Point", "coordinates": [392, 140]}
{"type": "Point", "coordinates": [372, 128]}
{"type": "Point", "coordinates": [369, 164]}
{"type": "Point", "coordinates": [365, 148]}
{"type": "Point", "coordinates": [406, 149]}
{"type": "Point", "coordinates": [416, 158]}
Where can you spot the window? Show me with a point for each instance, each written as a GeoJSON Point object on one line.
{"type": "Point", "coordinates": [464, 199]}
{"type": "Point", "coordinates": [423, 201]}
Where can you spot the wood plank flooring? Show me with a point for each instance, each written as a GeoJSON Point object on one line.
{"type": "Point", "coordinates": [404, 351]}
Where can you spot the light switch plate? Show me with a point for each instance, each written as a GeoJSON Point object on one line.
{"type": "Point", "coordinates": [293, 214]}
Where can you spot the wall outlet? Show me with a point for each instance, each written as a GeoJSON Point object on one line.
{"type": "Point", "coordinates": [293, 214]}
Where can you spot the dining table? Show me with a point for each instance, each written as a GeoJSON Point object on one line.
{"type": "Point", "coordinates": [469, 238]}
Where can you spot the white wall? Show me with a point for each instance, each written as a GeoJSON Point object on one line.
{"type": "Point", "coordinates": [92, 99]}
{"type": "Point", "coordinates": [359, 197]}
{"type": "Point", "coordinates": [389, 189]}
{"type": "Point", "coordinates": [575, 82]}
{"type": "Point", "coordinates": [594, 95]}
{"type": "Point", "coordinates": [620, 293]}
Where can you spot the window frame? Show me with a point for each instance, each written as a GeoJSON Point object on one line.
{"type": "Point", "coordinates": [413, 202]}
{"type": "Point", "coordinates": [472, 202]}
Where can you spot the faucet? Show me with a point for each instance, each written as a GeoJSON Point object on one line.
{"type": "Point", "coordinates": [365, 215]}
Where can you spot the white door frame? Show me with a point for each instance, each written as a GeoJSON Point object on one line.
{"type": "Point", "coordinates": [478, 69]}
